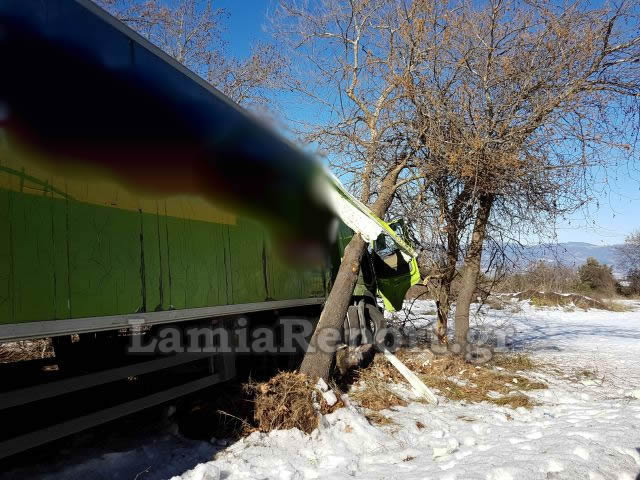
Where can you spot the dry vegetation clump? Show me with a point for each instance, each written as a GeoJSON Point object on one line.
{"type": "Point", "coordinates": [26, 350]}
{"type": "Point", "coordinates": [582, 375]}
{"type": "Point", "coordinates": [453, 377]}
{"type": "Point", "coordinates": [613, 306]}
{"type": "Point", "coordinates": [586, 373]}
{"type": "Point", "coordinates": [514, 401]}
{"type": "Point", "coordinates": [374, 392]}
{"type": "Point", "coordinates": [287, 401]}
{"type": "Point", "coordinates": [552, 299]}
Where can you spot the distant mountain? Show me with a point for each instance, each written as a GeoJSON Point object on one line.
{"type": "Point", "coordinates": [572, 254]}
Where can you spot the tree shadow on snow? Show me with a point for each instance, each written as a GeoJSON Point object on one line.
{"type": "Point", "coordinates": [536, 337]}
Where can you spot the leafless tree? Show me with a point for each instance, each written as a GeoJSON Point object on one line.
{"type": "Point", "coordinates": [519, 104]}
{"type": "Point", "coordinates": [629, 253]}
{"type": "Point", "coordinates": [351, 62]}
{"type": "Point", "coordinates": [192, 32]}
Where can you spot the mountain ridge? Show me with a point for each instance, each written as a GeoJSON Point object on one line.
{"type": "Point", "coordinates": [571, 254]}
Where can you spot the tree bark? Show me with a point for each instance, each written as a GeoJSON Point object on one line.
{"type": "Point", "coordinates": [443, 296]}
{"type": "Point", "coordinates": [318, 359]}
{"type": "Point", "coordinates": [442, 310]}
{"type": "Point", "coordinates": [471, 270]}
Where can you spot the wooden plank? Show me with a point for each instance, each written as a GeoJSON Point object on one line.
{"type": "Point", "coordinates": [418, 386]}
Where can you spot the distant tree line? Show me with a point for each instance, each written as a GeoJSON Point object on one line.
{"type": "Point", "coordinates": [591, 278]}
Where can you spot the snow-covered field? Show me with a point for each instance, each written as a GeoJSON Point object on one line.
{"type": "Point", "coordinates": [586, 426]}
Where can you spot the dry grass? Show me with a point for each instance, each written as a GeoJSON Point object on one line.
{"type": "Point", "coordinates": [545, 301]}
{"type": "Point", "coordinates": [514, 401]}
{"type": "Point", "coordinates": [513, 362]}
{"type": "Point", "coordinates": [571, 301]}
{"type": "Point", "coordinates": [375, 392]}
{"type": "Point", "coordinates": [459, 380]}
{"type": "Point", "coordinates": [26, 350]}
{"type": "Point", "coordinates": [287, 401]}
{"type": "Point", "coordinates": [614, 306]}
{"type": "Point", "coordinates": [552, 299]}
{"type": "Point", "coordinates": [453, 377]}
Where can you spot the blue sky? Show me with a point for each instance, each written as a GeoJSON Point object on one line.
{"type": "Point", "coordinates": [245, 23]}
{"type": "Point", "coordinates": [607, 221]}
{"type": "Point", "coordinates": [615, 214]}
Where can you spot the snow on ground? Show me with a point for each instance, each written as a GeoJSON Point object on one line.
{"type": "Point", "coordinates": [587, 426]}
{"type": "Point", "coordinates": [125, 454]}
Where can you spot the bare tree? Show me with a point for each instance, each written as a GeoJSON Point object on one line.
{"type": "Point", "coordinates": [351, 62]}
{"type": "Point", "coordinates": [519, 103]}
{"type": "Point", "coordinates": [192, 32]}
{"type": "Point", "coordinates": [629, 252]}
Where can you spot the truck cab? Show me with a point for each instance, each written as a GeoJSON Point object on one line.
{"type": "Point", "coordinates": [385, 269]}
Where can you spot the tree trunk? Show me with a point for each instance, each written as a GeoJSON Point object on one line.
{"type": "Point", "coordinates": [317, 361]}
{"type": "Point", "coordinates": [443, 297]}
{"type": "Point", "coordinates": [442, 309]}
{"type": "Point", "coordinates": [471, 270]}
{"type": "Point", "coordinates": [443, 292]}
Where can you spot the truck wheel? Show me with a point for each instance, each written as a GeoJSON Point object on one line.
{"type": "Point", "coordinates": [378, 326]}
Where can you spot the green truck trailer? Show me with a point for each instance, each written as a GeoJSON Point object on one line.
{"type": "Point", "coordinates": [79, 255]}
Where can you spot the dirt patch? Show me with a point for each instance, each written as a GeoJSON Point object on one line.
{"type": "Point", "coordinates": [289, 400]}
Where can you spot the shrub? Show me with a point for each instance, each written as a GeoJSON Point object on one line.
{"type": "Point", "coordinates": [287, 401]}
{"type": "Point", "coordinates": [597, 277]}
